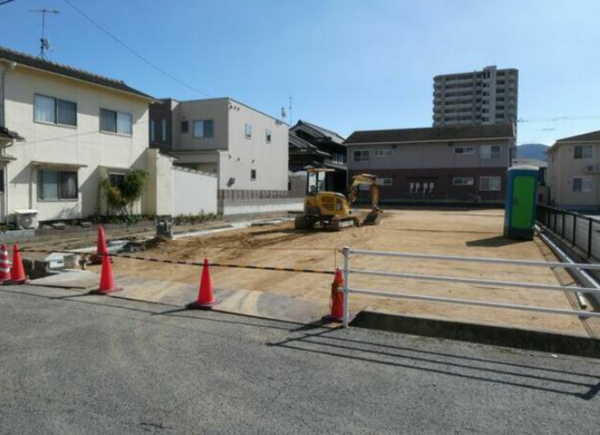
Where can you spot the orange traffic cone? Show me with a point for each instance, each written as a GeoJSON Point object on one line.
{"type": "Point", "coordinates": [206, 298]}
{"type": "Point", "coordinates": [107, 282]}
{"type": "Point", "coordinates": [17, 273]}
{"type": "Point", "coordinates": [4, 264]}
{"type": "Point", "coordinates": [337, 297]}
{"type": "Point", "coordinates": [101, 248]}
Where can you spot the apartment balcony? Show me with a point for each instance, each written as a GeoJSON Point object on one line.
{"type": "Point", "coordinates": [466, 97]}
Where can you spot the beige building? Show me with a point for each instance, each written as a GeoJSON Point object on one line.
{"type": "Point", "coordinates": [574, 172]}
{"type": "Point", "coordinates": [62, 131]}
{"type": "Point", "coordinates": [459, 164]}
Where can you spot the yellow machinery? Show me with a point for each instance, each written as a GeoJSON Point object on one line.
{"type": "Point", "coordinates": [332, 210]}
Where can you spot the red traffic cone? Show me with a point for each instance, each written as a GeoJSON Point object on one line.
{"type": "Point", "coordinates": [107, 282]}
{"type": "Point", "coordinates": [101, 248]}
{"type": "Point", "coordinates": [206, 298]}
{"type": "Point", "coordinates": [17, 273]}
{"type": "Point", "coordinates": [337, 297]}
{"type": "Point", "coordinates": [4, 264]}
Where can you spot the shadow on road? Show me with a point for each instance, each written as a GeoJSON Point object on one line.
{"type": "Point", "coordinates": [580, 385]}
{"type": "Point", "coordinates": [317, 339]}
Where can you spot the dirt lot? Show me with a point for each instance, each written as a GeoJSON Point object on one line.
{"type": "Point", "coordinates": [476, 233]}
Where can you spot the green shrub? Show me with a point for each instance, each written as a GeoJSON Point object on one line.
{"type": "Point", "coordinates": [193, 219]}
{"type": "Point", "coordinates": [121, 197]}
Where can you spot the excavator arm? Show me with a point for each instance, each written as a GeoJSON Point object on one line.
{"type": "Point", "coordinates": [362, 180]}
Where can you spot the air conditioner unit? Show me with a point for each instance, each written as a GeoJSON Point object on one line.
{"type": "Point", "coordinates": [26, 219]}
{"type": "Point", "coordinates": [591, 169]}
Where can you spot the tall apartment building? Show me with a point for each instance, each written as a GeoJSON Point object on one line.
{"type": "Point", "coordinates": [480, 97]}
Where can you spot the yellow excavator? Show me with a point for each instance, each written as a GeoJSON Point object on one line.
{"type": "Point", "coordinates": [331, 210]}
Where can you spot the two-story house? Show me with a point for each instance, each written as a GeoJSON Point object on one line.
{"type": "Point", "coordinates": [246, 149]}
{"type": "Point", "coordinates": [62, 131]}
{"type": "Point", "coordinates": [312, 145]}
{"type": "Point", "coordinates": [574, 172]}
{"type": "Point", "coordinates": [465, 163]}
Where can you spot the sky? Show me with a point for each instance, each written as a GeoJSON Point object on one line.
{"type": "Point", "coordinates": [347, 64]}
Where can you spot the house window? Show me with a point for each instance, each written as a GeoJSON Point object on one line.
{"type": "Point", "coordinates": [581, 184]}
{"type": "Point", "coordinates": [583, 151]}
{"type": "Point", "coordinates": [269, 135]}
{"type": "Point", "coordinates": [57, 185]}
{"type": "Point", "coordinates": [490, 152]}
{"type": "Point", "coordinates": [152, 130]}
{"type": "Point", "coordinates": [164, 130]}
{"type": "Point", "coordinates": [253, 175]}
{"type": "Point", "coordinates": [463, 181]}
{"type": "Point", "coordinates": [50, 110]}
{"type": "Point", "coordinates": [204, 129]}
{"type": "Point", "coordinates": [248, 130]}
{"type": "Point", "coordinates": [185, 126]}
{"type": "Point", "coordinates": [490, 184]}
{"type": "Point", "coordinates": [116, 122]}
{"type": "Point", "coordinates": [384, 181]}
{"type": "Point", "coordinates": [338, 158]}
{"type": "Point", "coordinates": [361, 156]}
{"type": "Point", "coordinates": [463, 150]}
{"type": "Point", "coordinates": [383, 153]}
{"type": "Point", "coordinates": [116, 179]}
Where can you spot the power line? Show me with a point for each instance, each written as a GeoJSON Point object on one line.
{"type": "Point", "coordinates": [134, 52]}
{"type": "Point", "coordinates": [6, 2]}
{"type": "Point", "coordinates": [560, 118]}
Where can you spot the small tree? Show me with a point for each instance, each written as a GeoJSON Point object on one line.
{"type": "Point", "coordinates": [122, 196]}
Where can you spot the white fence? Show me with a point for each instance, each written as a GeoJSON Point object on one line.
{"type": "Point", "coordinates": [348, 270]}
{"type": "Point", "coordinates": [194, 192]}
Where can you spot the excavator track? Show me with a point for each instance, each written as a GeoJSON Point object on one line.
{"type": "Point", "coordinates": [337, 224]}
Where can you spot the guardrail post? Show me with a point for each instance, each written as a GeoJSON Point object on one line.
{"type": "Point", "coordinates": [563, 224]}
{"type": "Point", "coordinates": [590, 225]}
{"type": "Point", "coordinates": [346, 271]}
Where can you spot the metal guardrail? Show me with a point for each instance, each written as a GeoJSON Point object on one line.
{"type": "Point", "coordinates": [347, 271]}
{"type": "Point", "coordinates": [581, 231]}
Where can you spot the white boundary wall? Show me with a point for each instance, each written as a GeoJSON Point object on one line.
{"type": "Point", "coordinates": [194, 192]}
{"type": "Point", "coordinates": [262, 206]}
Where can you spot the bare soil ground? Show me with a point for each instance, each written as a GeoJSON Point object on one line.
{"type": "Point", "coordinates": [475, 233]}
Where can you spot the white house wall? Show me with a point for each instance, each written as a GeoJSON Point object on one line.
{"type": "Point", "coordinates": [194, 192]}
{"type": "Point", "coordinates": [270, 160]}
{"type": "Point", "coordinates": [83, 145]}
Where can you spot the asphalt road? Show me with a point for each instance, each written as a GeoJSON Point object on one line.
{"type": "Point", "coordinates": [73, 364]}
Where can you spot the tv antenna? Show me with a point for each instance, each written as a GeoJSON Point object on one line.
{"type": "Point", "coordinates": [44, 43]}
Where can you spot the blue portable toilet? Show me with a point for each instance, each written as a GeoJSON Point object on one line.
{"type": "Point", "coordinates": [521, 200]}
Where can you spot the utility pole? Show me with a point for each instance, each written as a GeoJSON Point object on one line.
{"type": "Point", "coordinates": [44, 43]}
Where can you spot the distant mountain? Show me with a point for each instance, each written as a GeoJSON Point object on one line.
{"type": "Point", "coordinates": [535, 151]}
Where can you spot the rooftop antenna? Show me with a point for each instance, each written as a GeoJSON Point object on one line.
{"type": "Point", "coordinates": [44, 43]}
{"type": "Point", "coordinates": [291, 111]}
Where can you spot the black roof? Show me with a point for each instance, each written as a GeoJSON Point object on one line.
{"type": "Point", "coordinates": [67, 71]}
{"type": "Point", "coordinates": [452, 133]}
{"type": "Point", "coordinates": [593, 136]}
{"type": "Point", "coordinates": [317, 132]}
{"type": "Point", "coordinates": [300, 146]}
{"type": "Point", "coordinates": [5, 133]}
